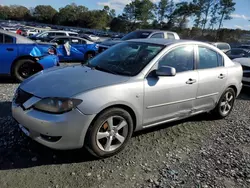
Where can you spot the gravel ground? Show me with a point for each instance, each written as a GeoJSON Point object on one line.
{"type": "Point", "coordinates": [198, 152]}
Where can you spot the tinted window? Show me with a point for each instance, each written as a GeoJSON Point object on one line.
{"type": "Point", "coordinates": [181, 58]}
{"type": "Point", "coordinates": [8, 39]}
{"type": "Point", "coordinates": [60, 41]}
{"type": "Point", "coordinates": [171, 36]}
{"type": "Point", "coordinates": [126, 58]}
{"type": "Point", "coordinates": [75, 41]}
{"type": "Point", "coordinates": [60, 34]}
{"type": "Point", "coordinates": [223, 46]}
{"type": "Point", "coordinates": [209, 58]}
{"type": "Point", "coordinates": [72, 34]}
{"type": "Point", "coordinates": [1, 38]}
{"type": "Point", "coordinates": [235, 52]}
{"type": "Point", "coordinates": [246, 47]}
{"type": "Point", "coordinates": [158, 35]}
{"type": "Point", "coordinates": [137, 35]}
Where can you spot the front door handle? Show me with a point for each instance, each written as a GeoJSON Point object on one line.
{"type": "Point", "coordinates": [10, 49]}
{"type": "Point", "coordinates": [191, 81]}
{"type": "Point", "coordinates": [221, 76]}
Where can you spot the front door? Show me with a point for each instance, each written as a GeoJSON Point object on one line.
{"type": "Point", "coordinates": [168, 98]}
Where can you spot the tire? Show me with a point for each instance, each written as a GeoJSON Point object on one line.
{"type": "Point", "coordinates": [222, 109]}
{"type": "Point", "coordinates": [19, 71]}
{"type": "Point", "coordinates": [100, 147]}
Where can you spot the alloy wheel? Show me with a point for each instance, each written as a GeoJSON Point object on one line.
{"type": "Point", "coordinates": [227, 103]}
{"type": "Point", "coordinates": [112, 133]}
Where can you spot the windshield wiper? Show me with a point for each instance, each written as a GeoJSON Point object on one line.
{"type": "Point", "coordinates": [103, 69]}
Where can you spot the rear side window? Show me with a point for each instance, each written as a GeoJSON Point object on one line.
{"type": "Point", "coordinates": [158, 35]}
{"type": "Point", "coordinates": [222, 46]}
{"type": "Point", "coordinates": [170, 36]}
{"type": "Point", "coordinates": [209, 58]}
{"type": "Point", "coordinates": [8, 39]}
{"type": "Point", "coordinates": [60, 34]}
{"type": "Point", "coordinates": [72, 34]}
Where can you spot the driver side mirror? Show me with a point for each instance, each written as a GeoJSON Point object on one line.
{"type": "Point", "coordinates": [166, 71]}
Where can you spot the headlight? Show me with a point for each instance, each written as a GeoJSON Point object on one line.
{"type": "Point", "coordinates": [57, 105]}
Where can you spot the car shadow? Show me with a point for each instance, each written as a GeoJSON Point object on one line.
{"type": "Point", "coordinates": [17, 151]}
{"type": "Point", "coordinates": [7, 80]}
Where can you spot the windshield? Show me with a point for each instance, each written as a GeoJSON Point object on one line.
{"type": "Point", "coordinates": [136, 35]}
{"type": "Point", "coordinates": [126, 58]}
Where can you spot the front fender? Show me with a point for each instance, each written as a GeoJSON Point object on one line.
{"type": "Point", "coordinates": [127, 94]}
{"type": "Point", "coordinates": [49, 61]}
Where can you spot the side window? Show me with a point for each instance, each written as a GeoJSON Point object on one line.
{"type": "Point", "coordinates": [181, 58]}
{"type": "Point", "coordinates": [223, 46]}
{"type": "Point", "coordinates": [83, 42]}
{"type": "Point", "coordinates": [170, 36]}
{"type": "Point", "coordinates": [1, 38]}
{"type": "Point", "coordinates": [8, 39]}
{"type": "Point", "coordinates": [75, 41]}
{"type": "Point", "coordinates": [209, 58]}
{"type": "Point", "coordinates": [60, 34]}
{"type": "Point", "coordinates": [72, 34]}
{"type": "Point", "coordinates": [158, 35]}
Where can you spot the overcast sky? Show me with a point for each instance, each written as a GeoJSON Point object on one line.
{"type": "Point", "coordinates": [240, 19]}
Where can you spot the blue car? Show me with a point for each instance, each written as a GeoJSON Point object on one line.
{"type": "Point", "coordinates": [74, 49]}
{"type": "Point", "coordinates": [21, 57]}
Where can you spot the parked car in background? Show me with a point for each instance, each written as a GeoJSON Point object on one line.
{"type": "Point", "coordinates": [245, 46]}
{"type": "Point", "coordinates": [139, 34]}
{"type": "Point", "coordinates": [21, 57]}
{"type": "Point", "coordinates": [47, 36]}
{"type": "Point", "coordinates": [75, 49]}
{"type": "Point", "coordinates": [245, 63]}
{"type": "Point", "coordinates": [238, 53]}
{"type": "Point", "coordinates": [94, 37]}
{"type": "Point", "coordinates": [222, 46]}
{"type": "Point", "coordinates": [132, 86]}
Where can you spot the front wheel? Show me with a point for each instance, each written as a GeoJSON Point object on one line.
{"type": "Point", "coordinates": [110, 133]}
{"type": "Point", "coordinates": [225, 104]}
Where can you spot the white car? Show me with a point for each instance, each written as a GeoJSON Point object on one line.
{"type": "Point", "coordinates": [245, 63]}
{"type": "Point", "coordinates": [222, 46]}
{"type": "Point", "coordinates": [94, 37]}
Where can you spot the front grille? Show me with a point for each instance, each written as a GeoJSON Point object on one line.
{"type": "Point", "coordinates": [246, 74]}
{"type": "Point", "coordinates": [101, 49]}
{"type": "Point", "coordinates": [245, 68]}
{"type": "Point", "coordinates": [22, 96]}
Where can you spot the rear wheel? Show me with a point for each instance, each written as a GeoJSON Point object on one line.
{"type": "Point", "coordinates": [109, 134]}
{"type": "Point", "coordinates": [225, 104]}
{"type": "Point", "coordinates": [25, 68]}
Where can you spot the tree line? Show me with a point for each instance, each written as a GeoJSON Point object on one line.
{"type": "Point", "coordinates": [202, 16]}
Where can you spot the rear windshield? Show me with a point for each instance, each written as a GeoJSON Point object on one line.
{"type": "Point", "coordinates": [223, 46]}
{"type": "Point", "coordinates": [137, 35]}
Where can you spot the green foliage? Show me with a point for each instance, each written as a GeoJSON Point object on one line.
{"type": "Point", "coordinates": [44, 13]}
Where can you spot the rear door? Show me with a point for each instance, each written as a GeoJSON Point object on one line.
{"type": "Point", "coordinates": [212, 78]}
{"type": "Point", "coordinates": [8, 53]}
{"type": "Point", "coordinates": [78, 49]}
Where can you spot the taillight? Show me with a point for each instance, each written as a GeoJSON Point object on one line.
{"type": "Point", "coordinates": [52, 51]}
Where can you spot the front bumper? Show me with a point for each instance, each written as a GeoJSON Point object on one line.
{"type": "Point", "coordinates": [69, 128]}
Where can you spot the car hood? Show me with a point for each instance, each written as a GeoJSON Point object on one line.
{"type": "Point", "coordinates": [243, 61]}
{"type": "Point", "coordinates": [110, 43]}
{"type": "Point", "coordinates": [68, 81]}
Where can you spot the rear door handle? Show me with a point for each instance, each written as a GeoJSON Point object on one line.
{"type": "Point", "coordinates": [221, 76]}
{"type": "Point", "coordinates": [10, 49]}
{"type": "Point", "coordinates": [191, 81]}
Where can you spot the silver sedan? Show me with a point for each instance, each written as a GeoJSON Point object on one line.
{"type": "Point", "coordinates": [131, 86]}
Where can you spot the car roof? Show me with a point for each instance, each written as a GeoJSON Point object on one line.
{"type": "Point", "coordinates": [154, 30]}
{"type": "Point", "coordinates": [60, 31]}
{"type": "Point", "coordinates": [166, 42]}
{"type": "Point", "coordinates": [19, 39]}
{"type": "Point", "coordinates": [72, 37]}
